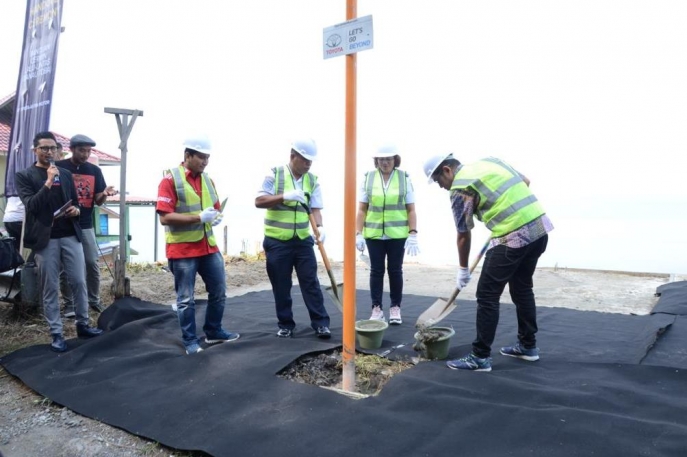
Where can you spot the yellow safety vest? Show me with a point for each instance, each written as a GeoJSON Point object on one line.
{"type": "Point", "coordinates": [386, 210]}
{"type": "Point", "coordinates": [188, 202]}
{"type": "Point", "coordinates": [505, 201]}
{"type": "Point", "coordinates": [288, 219]}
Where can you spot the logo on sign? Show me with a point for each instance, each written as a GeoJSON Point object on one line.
{"type": "Point", "coordinates": [333, 40]}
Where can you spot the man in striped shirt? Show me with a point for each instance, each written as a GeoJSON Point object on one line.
{"type": "Point", "coordinates": [500, 197]}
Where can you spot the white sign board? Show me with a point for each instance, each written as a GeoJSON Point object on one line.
{"type": "Point", "coordinates": [348, 37]}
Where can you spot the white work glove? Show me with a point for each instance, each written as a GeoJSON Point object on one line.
{"type": "Point", "coordinates": [208, 215]}
{"type": "Point", "coordinates": [320, 230]}
{"type": "Point", "coordinates": [360, 242]}
{"type": "Point", "coordinates": [218, 219]}
{"type": "Point", "coordinates": [296, 195]}
{"type": "Point", "coordinates": [412, 248]}
{"type": "Point", "coordinates": [463, 277]}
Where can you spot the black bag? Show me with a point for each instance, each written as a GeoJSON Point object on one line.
{"type": "Point", "coordinates": [9, 257]}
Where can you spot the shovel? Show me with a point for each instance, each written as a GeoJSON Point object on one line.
{"type": "Point", "coordinates": [335, 291]}
{"type": "Point", "coordinates": [442, 308]}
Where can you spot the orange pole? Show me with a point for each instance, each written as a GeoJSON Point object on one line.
{"type": "Point", "coordinates": [348, 353]}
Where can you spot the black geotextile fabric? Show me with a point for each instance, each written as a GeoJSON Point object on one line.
{"type": "Point", "coordinates": [672, 298]}
{"type": "Point", "coordinates": [607, 384]}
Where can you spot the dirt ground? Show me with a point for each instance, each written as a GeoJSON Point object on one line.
{"type": "Point", "coordinates": [31, 425]}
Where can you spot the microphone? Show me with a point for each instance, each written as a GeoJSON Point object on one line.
{"type": "Point", "coordinates": [57, 176]}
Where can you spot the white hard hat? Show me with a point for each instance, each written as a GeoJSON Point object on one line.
{"type": "Point", "coordinates": [433, 163]}
{"type": "Point", "coordinates": [200, 143]}
{"type": "Point", "coordinates": [386, 150]}
{"type": "Point", "coordinates": [305, 147]}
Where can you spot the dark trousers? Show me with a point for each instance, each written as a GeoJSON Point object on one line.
{"type": "Point", "coordinates": [390, 252]}
{"type": "Point", "coordinates": [515, 267]}
{"type": "Point", "coordinates": [282, 258]}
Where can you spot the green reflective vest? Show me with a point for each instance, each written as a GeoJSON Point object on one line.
{"type": "Point", "coordinates": [505, 201]}
{"type": "Point", "coordinates": [288, 219]}
{"type": "Point", "coordinates": [188, 202]}
{"type": "Point", "coordinates": [386, 210]}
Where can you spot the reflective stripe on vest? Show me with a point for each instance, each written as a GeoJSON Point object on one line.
{"type": "Point", "coordinates": [386, 210]}
{"type": "Point", "coordinates": [288, 219]}
{"type": "Point", "coordinates": [188, 202]}
{"type": "Point", "coordinates": [506, 202]}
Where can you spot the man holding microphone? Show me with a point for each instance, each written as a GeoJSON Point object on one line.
{"type": "Point", "coordinates": [52, 231]}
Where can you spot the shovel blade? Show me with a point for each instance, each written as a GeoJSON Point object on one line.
{"type": "Point", "coordinates": [435, 313]}
{"type": "Point", "coordinates": [335, 294]}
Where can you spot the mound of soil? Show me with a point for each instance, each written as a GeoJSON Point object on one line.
{"type": "Point", "coordinates": [326, 370]}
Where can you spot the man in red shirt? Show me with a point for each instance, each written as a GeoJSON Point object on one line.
{"type": "Point", "coordinates": [188, 206]}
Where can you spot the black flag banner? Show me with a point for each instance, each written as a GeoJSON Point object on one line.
{"type": "Point", "coordinates": [33, 98]}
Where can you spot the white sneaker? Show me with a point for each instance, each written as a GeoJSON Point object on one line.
{"type": "Point", "coordinates": [377, 314]}
{"type": "Point", "coordinates": [395, 315]}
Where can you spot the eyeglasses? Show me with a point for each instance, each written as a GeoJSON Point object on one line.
{"type": "Point", "coordinates": [47, 148]}
{"type": "Point", "coordinates": [385, 159]}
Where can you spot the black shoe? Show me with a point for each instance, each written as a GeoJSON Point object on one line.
{"type": "Point", "coordinates": [58, 344]}
{"type": "Point", "coordinates": [323, 332]}
{"type": "Point", "coordinates": [97, 307]}
{"type": "Point", "coordinates": [84, 331]}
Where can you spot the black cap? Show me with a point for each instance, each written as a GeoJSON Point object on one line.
{"type": "Point", "coordinates": [81, 140]}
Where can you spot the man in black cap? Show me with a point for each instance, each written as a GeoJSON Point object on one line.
{"type": "Point", "coordinates": [91, 190]}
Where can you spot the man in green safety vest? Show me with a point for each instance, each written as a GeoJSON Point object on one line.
{"type": "Point", "coordinates": [500, 197]}
{"type": "Point", "coordinates": [188, 206]}
{"type": "Point", "coordinates": [285, 192]}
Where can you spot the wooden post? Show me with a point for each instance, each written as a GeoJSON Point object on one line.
{"type": "Point", "coordinates": [156, 236]}
{"type": "Point", "coordinates": [120, 258]}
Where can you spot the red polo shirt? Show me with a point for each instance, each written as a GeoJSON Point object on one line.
{"type": "Point", "coordinates": [166, 203]}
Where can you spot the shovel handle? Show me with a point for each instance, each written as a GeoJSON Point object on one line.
{"type": "Point", "coordinates": [480, 255]}
{"type": "Point", "coordinates": [474, 264]}
{"type": "Point", "coordinates": [325, 259]}
{"type": "Point", "coordinates": [316, 232]}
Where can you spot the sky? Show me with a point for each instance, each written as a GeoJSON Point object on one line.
{"type": "Point", "coordinates": [588, 99]}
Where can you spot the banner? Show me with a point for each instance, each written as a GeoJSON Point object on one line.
{"type": "Point", "coordinates": [33, 99]}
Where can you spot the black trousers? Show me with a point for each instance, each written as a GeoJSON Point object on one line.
{"type": "Point", "coordinates": [515, 267]}
{"type": "Point", "coordinates": [282, 258]}
{"type": "Point", "coordinates": [389, 254]}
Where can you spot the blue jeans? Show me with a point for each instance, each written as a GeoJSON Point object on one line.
{"type": "Point", "coordinates": [211, 269]}
{"type": "Point", "coordinates": [282, 258]}
{"type": "Point", "coordinates": [389, 252]}
{"type": "Point", "coordinates": [515, 267]}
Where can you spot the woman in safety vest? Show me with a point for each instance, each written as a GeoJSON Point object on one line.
{"type": "Point", "coordinates": [386, 224]}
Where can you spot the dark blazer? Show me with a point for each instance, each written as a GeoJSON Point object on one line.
{"type": "Point", "coordinates": [35, 197]}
